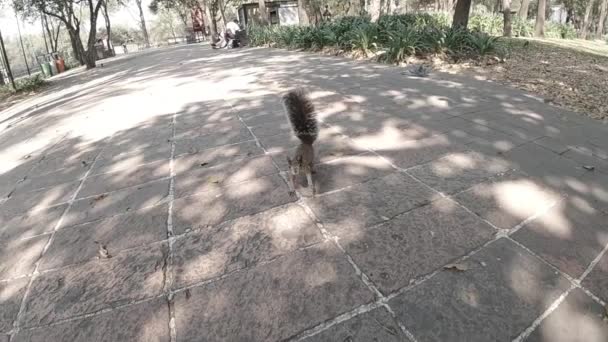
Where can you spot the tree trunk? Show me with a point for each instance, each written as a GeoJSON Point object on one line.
{"type": "Point", "coordinates": [91, 55]}
{"type": "Point", "coordinates": [302, 14]}
{"type": "Point", "coordinates": [461, 14]}
{"type": "Point", "coordinates": [142, 22]}
{"type": "Point", "coordinates": [539, 27]}
{"type": "Point", "coordinates": [600, 24]}
{"type": "Point", "coordinates": [77, 46]}
{"type": "Point", "coordinates": [375, 8]}
{"type": "Point", "coordinates": [587, 19]}
{"type": "Point", "coordinates": [210, 21]}
{"type": "Point", "coordinates": [7, 64]}
{"type": "Point", "coordinates": [106, 17]}
{"type": "Point", "coordinates": [263, 13]}
{"type": "Point", "coordinates": [523, 10]}
{"type": "Point", "coordinates": [506, 11]}
{"type": "Point", "coordinates": [220, 4]}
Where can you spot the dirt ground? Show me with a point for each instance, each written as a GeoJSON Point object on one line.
{"type": "Point", "coordinates": [571, 74]}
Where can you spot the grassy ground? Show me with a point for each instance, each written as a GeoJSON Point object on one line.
{"type": "Point", "coordinates": [26, 87]}
{"type": "Point", "coordinates": [567, 73]}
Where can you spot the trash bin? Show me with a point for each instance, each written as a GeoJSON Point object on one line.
{"type": "Point", "coordinates": [46, 69]}
{"type": "Point", "coordinates": [60, 65]}
{"type": "Point", "coordinates": [53, 67]}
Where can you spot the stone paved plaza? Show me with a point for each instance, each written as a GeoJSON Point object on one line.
{"type": "Point", "coordinates": [448, 208]}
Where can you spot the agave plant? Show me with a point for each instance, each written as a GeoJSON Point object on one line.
{"type": "Point", "coordinates": [364, 39]}
{"type": "Point", "coordinates": [482, 43]}
{"type": "Point", "coordinates": [402, 43]}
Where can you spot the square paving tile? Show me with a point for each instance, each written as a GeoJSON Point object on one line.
{"type": "Point", "coordinates": [508, 200]}
{"type": "Point", "coordinates": [118, 202]}
{"type": "Point", "coordinates": [597, 280]}
{"type": "Point", "coordinates": [270, 119]}
{"type": "Point", "coordinates": [503, 291]}
{"type": "Point", "coordinates": [98, 184]}
{"type": "Point", "coordinates": [416, 243]}
{"type": "Point", "coordinates": [11, 294]}
{"type": "Point", "coordinates": [242, 243]}
{"type": "Point", "coordinates": [207, 178]}
{"type": "Point", "coordinates": [275, 128]}
{"type": "Point", "coordinates": [363, 205]}
{"type": "Point", "coordinates": [584, 158]}
{"type": "Point", "coordinates": [24, 225]}
{"type": "Point", "coordinates": [21, 202]}
{"type": "Point", "coordinates": [96, 285]}
{"type": "Point", "coordinates": [539, 162]}
{"type": "Point", "coordinates": [569, 236]}
{"type": "Point", "coordinates": [216, 156]}
{"type": "Point", "coordinates": [325, 152]}
{"type": "Point", "coordinates": [591, 187]}
{"type": "Point", "coordinates": [343, 172]}
{"type": "Point", "coordinates": [71, 158]}
{"type": "Point", "coordinates": [510, 126]}
{"type": "Point", "coordinates": [229, 202]}
{"type": "Point", "coordinates": [577, 319]}
{"type": "Point", "coordinates": [52, 179]}
{"type": "Point", "coordinates": [78, 244]}
{"type": "Point", "coordinates": [195, 145]}
{"type": "Point", "coordinates": [273, 301]}
{"type": "Point", "coordinates": [459, 171]}
{"type": "Point", "coordinates": [328, 138]}
{"type": "Point", "coordinates": [110, 161]}
{"type": "Point", "coordinates": [376, 325]}
{"type": "Point", "coordinates": [553, 144]}
{"type": "Point", "coordinates": [187, 130]}
{"type": "Point", "coordinates": [203, 122]}
{"type": "Point", "coordinates": [18, 257]}
{"type": "Point", "coordinates": [415, 152]}
{"type": "Point", "coordinates": [145, 322]}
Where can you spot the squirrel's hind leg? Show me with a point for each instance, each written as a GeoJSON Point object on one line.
{"type": "Point", "coordinates": [310, 182]}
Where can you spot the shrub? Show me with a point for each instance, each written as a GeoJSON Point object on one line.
{"type": "Point", "coordinates": [363, 39]}
{"type": "Point", "coordinates": [489, 23]}
{"type": "Point", "coordinates": [482, 43]}
{"type": "Point", "coordinates": [324, 36]}
{"type": "Point", "coordinates": [403, 42]}
{"type": "Point", "coordinates": [456, 41]}
{"type": "Point", "coordinates": [522, 28]}
{"type": "Point", "coordinates": [26, 84]}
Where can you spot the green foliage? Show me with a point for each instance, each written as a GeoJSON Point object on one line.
{"type": "Point", "coordinates": [521, 27]}
{"type": "Point", "coordinates": [25, 84]}
{"type": "Point", "coordinates": [363, 39]}
{"type": "Point", "coordinates": [396, 37]}
{"type": "Point", "coordinates": [403, 42]}
{"type": "Point", "coordinates": [482, 43]}
{"type": "Point", "coordinates": [489, 23]}
{"type": "Point", "coordinates": [555, 30]}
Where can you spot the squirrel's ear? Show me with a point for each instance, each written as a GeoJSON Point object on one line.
{"type": "Point", "coordinates": [299, 159]}
{"type": "Point", "coordinates": [288, 160]}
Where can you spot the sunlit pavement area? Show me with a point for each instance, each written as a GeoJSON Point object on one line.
{"type": "Point", "coordinates": [448, 209]}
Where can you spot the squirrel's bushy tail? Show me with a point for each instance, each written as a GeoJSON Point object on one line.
{"type": "Point", "coordinates": [301, 114]}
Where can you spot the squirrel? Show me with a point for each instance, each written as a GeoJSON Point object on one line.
{"type": "Point", "coordinates": [301, 114]}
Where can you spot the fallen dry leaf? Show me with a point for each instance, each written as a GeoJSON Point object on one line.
{"type": "Point", "coordinates": [100, 197]}
{"type": "Point", "coordinates": [204, 164]}
{"type": "Point", "coordinates": [456, 267]}
{"type": "Point", "coordinates": [589, 167]}
{"type": "Point", "coordinates": [103, 251]}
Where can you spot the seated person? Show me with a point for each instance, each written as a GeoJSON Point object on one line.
{"type": "Point", "coordinates": [231, 29]}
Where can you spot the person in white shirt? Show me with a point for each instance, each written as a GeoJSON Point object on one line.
{"type": "Point", "coordinates": [231, 29]}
